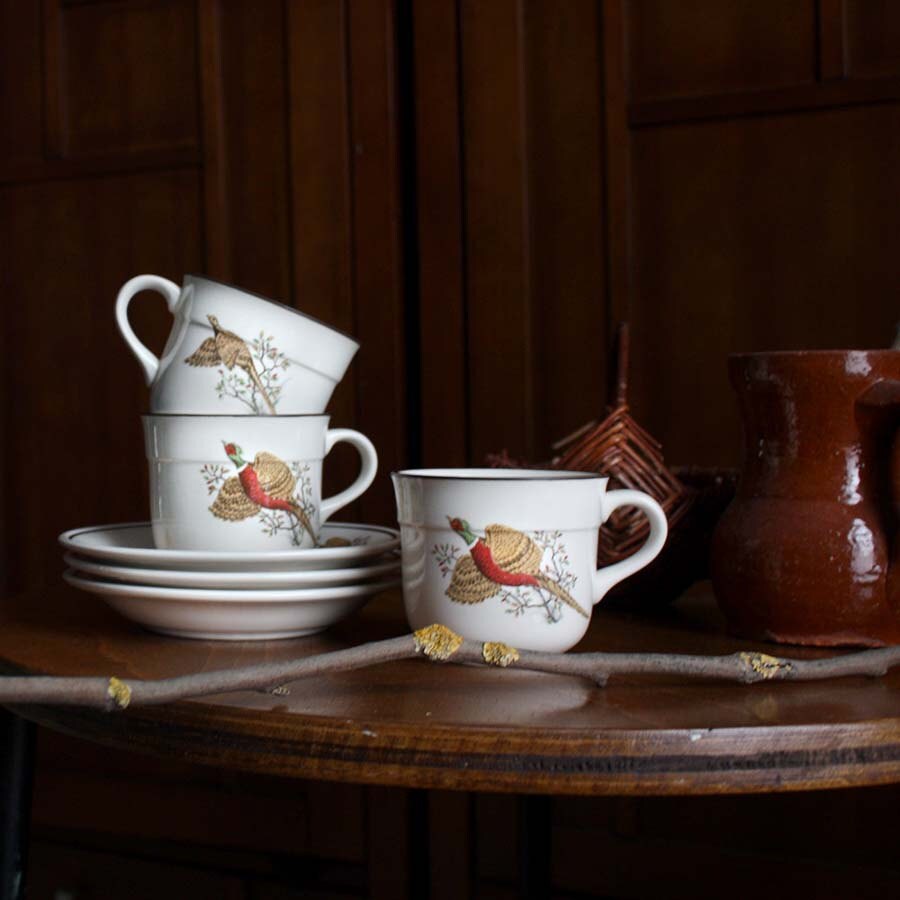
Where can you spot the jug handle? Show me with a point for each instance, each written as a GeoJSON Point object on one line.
{"type": "Point", "coordinates": [148, 361]}
{"type": "Point", "coordinates": [878, 411]}
{"type": "Point", "coordinates": [882, 396]}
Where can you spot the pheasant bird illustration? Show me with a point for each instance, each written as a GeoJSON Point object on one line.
{"type": "Point", "coordinates": [225, 348]}
{"type": "Point", "coordinates": [266, 483]}
{"type": "Point", "coordinates": [505, 557]}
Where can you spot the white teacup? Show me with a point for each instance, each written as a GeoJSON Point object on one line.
{"type": "Point", "coordinates": [235, 483]}
{"type": "Point", "coordinates": [510, 555]}
{"type": "Point", "coordinates": [234, 352]}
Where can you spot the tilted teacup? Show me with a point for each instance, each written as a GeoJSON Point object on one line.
{"type": "Point", "coordinates": [234, 352]}
{"type": "Point", "coordinates": [510, 555]}
{"type": "Point", "coordinates": [235, 483]}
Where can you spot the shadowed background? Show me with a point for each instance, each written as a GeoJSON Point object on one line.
{"type": "Point", "coordinates": [478, 191]}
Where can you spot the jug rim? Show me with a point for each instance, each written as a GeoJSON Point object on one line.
{"type": "Point", "coordinates": [799, 354]}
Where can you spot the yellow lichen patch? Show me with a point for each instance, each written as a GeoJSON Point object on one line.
{"type": "Point", "coordinates": [497, 654]}
{"type": "Point", "coordinates": [437, 642]}
{"type": "Point", "coordinates": [119, 692]}
{"type": "Point", "coordinates": [765, 665]}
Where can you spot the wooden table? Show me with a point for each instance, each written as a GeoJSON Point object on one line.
{"type": "Point", "coordinates": [420, 724]}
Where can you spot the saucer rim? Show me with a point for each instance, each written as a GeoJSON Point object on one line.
{"type": "Point", "coordinates": [309, 557]}
{"type": "Point", "coordinates": [228, 595]}
{"type": "Point", "coordinates": [266, 580]}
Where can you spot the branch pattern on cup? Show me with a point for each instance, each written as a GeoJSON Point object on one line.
{"type": "Point", "coordinates": [249, 371]}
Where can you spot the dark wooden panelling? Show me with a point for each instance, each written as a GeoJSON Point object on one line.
{"type": "Point", "coordinates": [500, 343]}
{"type": "Point", "coordinates": [216, 222]}
{"type": "Point", "coordinates": [216, 808]}
{"type": "Point", "coordinates": [445, 380]}
{"type": "Point", "coordinates": [73, 391]}
{"type": "Point", "coordinates": [212, 811]}
{"type": "Point", "coordinates": [840, 826]}
{"type": "Point", "coordinates": [377, 254]}
{"type": "Point", "coordinates": [21, 136]}
{"type": "Point", "coordinates": [709, 47]}
{"type": "Point", "coordinates": [53, 66]}
{"type": "Point", "coordinates": [495, 836]}
{"type": "Point", "coordinates": [769, 233]}
{"type": "Point", "coordinates": [532, 308]}
{"type": "Point", "coordinates": [253, 151]}
{"type": "Point", "coordinates": [838, 94]}
{"type": "Point", "coordinates": [337, 823]}
{"type": "Point", "coordinates": [321, 189]}
{"type": "Point", "coordinates": [51, 169]}
{"type": "Point", "coordinates": [832, 40]}
{"type": "Point", "coordinates": [389, 844]}
{"type": "Point", "coordinates": [565, 189]}
{"type": "Point", "coordinates": [450, 845]}
{"type": "Point", "coordinates": [616, 174]}
{"type": "Point", "coordinates": [826, 845]}
{"type": "Point", "coordinates": [319, 167]}
{"type": "Point", "coordinates": [129, 76]}
{"type": "Point", "coordinates": [59, 871]}
{"type": "Point", "coordinates": [873, 37]}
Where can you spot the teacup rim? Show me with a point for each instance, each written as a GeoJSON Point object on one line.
{"type": "Point", "coordinates": [292, 309]}
{"type": "Point", "coordinates": [504, 474]}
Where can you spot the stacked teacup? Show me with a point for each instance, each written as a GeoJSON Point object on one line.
{"type": "Point", "coordinates": [237, 431]}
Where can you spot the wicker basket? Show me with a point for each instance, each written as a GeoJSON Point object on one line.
{"type": "Point", "coordinates": [692, 498]}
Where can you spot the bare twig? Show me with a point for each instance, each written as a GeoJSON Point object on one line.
{"type": "Point", "coordinates": [438, 644]}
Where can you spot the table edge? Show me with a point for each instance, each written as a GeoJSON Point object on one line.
{"type": "Point", "coordinates": [477, 758]}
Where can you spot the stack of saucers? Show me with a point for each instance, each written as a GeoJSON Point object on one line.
{"type": "Point", "coordinates": [232, 596]}
{"type": "Point", "coordinates": [239, 546]}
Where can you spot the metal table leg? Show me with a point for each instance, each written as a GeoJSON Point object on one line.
{"type": "Point", "coordinates": [16, 773]}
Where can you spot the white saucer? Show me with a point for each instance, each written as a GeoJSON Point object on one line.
{"type": "Point", "coordinates": [180, 578]}
{"type": "Point", "coordinates": [231, 615]}
{"type": "Point", "coordinates": [132, 544]}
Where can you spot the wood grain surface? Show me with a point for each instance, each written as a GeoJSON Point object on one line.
{"type": "Point", "coordinates": [419, 724]}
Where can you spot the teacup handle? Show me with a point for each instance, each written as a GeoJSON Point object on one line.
{"type": "Point", "coordinates": [369, 459]}
{"type": "Point", "coordinates": [149, 363]}
{"type": "Point", "coordinates": [609, 576]}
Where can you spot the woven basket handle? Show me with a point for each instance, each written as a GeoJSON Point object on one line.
{"type": "Point", "coordinates": [609, 576]}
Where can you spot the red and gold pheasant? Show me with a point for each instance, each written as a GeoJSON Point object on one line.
{"type": "Point", "coordinates": [266, 483]}
{"type": "Point", "coordinates": [503, 558]}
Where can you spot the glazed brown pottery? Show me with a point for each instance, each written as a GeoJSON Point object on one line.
{"type": "Point", "coordinates": [805, 553]}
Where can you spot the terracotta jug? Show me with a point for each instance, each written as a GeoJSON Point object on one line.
{"type": "Point", "coordinates": [806, 552]}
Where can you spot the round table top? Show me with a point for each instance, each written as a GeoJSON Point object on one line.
{"type": "Point", "coordinates": [415, 723]}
